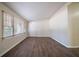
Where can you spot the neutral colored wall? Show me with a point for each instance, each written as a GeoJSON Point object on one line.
{"type": "Point", "coordinates": [0, 32]}
{"type": "Point", "coordinates": [0, 25]}
{"type": "Point", "coordinates": [73, 12]}
{"type": "Point", "coordinates": [39, 28]}
{"type": "Point", "coordinates": [8, 43]}
{"type": "Point", "coordinates": [59, 29]}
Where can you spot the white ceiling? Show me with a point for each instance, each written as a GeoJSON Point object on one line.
{"type": "Point", "coordinates": [35, 10]}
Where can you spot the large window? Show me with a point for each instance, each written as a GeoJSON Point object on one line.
{"type": "Point", "coordinates": [7, 24]}
{"type": "Point", "coordinates": [12, 25]}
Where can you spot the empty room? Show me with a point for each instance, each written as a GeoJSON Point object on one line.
{"type": "Point", "coordinates": [39, 29]}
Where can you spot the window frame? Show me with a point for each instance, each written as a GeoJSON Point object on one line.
{"type": "Point", "coordinates": [13, 28]}
{"type": "Point", "coordinates": [12, 25]}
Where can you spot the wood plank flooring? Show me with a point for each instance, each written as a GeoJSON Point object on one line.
{"type": "Point", "coordinates": [39, 47]}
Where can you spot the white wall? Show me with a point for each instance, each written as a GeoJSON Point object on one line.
{"type": "Point", "coordinates": [59, 26]}
{"type": "Point", "coordinates": [0, 32]}
{"type": "Point", "coordinates": [73, 12]}
{"type": "Point", "coordinates": [8, 43]}
{"type": "Point", "coordinates": [39, 28]}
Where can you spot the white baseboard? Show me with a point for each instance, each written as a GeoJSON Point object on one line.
{"type": "Point", "coordinates": [73, 46]}
{"type": "Point", "coordinates": [11, 47]}
{"type": "Point", "coordinates": [38, 36]}
{"type": "Point", "coordinates": [67, 46]}
{"type": "Point", "coordinates": [61, 43]}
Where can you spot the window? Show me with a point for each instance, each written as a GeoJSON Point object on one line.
{"type": "Point", "coordinates": [18, 26]}
{"type": "Point", "coordinates": [12, 25]}
{"type": "Point", "coordinates": [7, 25]}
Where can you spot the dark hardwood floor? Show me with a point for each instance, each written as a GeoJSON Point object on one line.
{"type": "Point", "coordinates": [39, 47]}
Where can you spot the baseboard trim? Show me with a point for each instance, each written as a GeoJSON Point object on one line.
{"type": "Point", "coordinates": [73, 46]}
{"type": "Point", "coordinates": [38, 36]}
{"type": "Point", "coordinates": [11, 47]}
{"type": "Point", "coordinates": [61, 43]}
{"type": "Point", "coordinates": [66, 45]}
